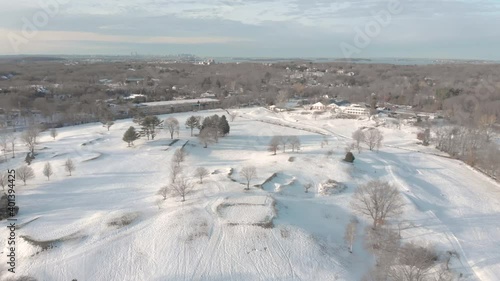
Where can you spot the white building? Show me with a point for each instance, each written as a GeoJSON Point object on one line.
{"type": "Point", "coordinates": [318, 106]}
{"type": "Point", "coordinates": [356, 109]}
{"type": "Point", "coordinates": [334, 107]}
{"type": "Point", "coordinates": [207, 95]}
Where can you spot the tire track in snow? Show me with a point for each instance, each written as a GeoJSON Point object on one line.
{"type": "Point", "coordinates": [447, 232]}
{"type": "Point", "coordinates": [215, 237]}
{"type": "Point", "coordinates": [286, 257]}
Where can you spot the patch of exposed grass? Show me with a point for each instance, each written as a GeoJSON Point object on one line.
{"type": "Point", "coordinates": [124, 220]}
{"type": "Point", "coordinates": [49, 244]}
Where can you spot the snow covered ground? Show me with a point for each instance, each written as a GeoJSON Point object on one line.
{"type": "Point", "coordinates": [107, 222]}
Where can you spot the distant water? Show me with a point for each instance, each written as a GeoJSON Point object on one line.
{"type": "Point", "coordinates": [395, 61]}
{"type": "Point", "coordinates": [194, 58]}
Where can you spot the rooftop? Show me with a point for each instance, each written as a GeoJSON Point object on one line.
{"type": "Point", "coordinates": [178, 102]}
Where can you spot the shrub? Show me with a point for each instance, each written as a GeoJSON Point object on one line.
{"type": "Point", "coordinates": [349, 157]}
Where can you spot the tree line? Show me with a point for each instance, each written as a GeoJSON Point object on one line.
{"type": "Point", "coordinates": [210, 128]}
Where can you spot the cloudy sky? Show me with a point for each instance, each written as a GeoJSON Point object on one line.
{"type": "Point", "coordinates": [468, 29]}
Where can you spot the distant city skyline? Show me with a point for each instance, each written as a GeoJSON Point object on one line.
{"type": "Point", "coordinates": [439, 29]}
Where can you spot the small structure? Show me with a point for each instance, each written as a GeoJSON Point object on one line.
{"type": "Point", "coordinates": [318, 106]}
{"type": "Point", "coordinates": [356, 109]}
{"type": "Point", "coordinates": [137, 81]}
{"type": "Point", "coordinates": [207, 95]}
{"type": "Point", "coordinates": [164, 107]}
{"type": "Point", "coordinates": [105, 81]}
{"type": "Point", "coordinates": [134, 96]}
{"type": "Point", "coordinates": [334, 107]}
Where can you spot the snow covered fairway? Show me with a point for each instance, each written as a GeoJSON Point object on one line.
{"type": "Point", "coordinates": [106, 221]}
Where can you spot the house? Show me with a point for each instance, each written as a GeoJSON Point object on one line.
{"type": "Point", "coordinates": [276, 108]}
{"type": "Point", "coordinates": [356, 109]}
{"type": "Point", "coordinates": [207, 95]}
{"type": "Point", "coordinates": [134, 80]}
{"type": "Point", "coordinates": [134, 96]}
{"type": "Point", "coordinates": [318, 106]}
{"type": "Point", "coordinates": [105, 81]}
{"type": "Point", "coordinates": [333, 107]}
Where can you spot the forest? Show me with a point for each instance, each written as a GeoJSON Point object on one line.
{"type": "Point", "coordinates": [71, 88]}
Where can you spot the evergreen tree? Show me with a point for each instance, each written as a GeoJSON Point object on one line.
{"type": "Point", "coordinates": [193, 122]}
{"type": "Point", "coordinates": [223, 125]}
{"type": "Point", "coordinates": [210, 122]}
{"type": "Point", "coordinates": [130, 136]}
{"type": "Point", "coordinates": [149, 126]}
{"type": "Point", "coordinates": [28, 158]}
{"type": "Point", "coordinates": [349, 157]}
{"type": "Point", "coordinates": [138, 116]}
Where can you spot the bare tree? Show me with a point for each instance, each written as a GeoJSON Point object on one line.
{"type": "Point", "coordinates": [53, 133]}
{"type": "Point", "coordinates": [490, 159]}
{"type": "Point", "coordinates": [384, 243]}
{"type": "Point", "coordinates": [175, 171]}
{"type": "Point", "coordinates": [274, 144]}
{"type": "Point", "coordinates": [4, 180]}
{"type": "Point", "coordinates": [413, 263]}
{"type": "Point", "coordinates": [284, 142]}
{"type": "Point", "coordinates": [163, 192]}
{"type": "Point", "coordinates": [349, 147]}
{"type": "Point", "coordinates": [350, 233]}
{"type": "Point", "coordinates": [307, 186]}
{"type": "Point", "coordinates": [25, 173]}
{"type": "Point", "coordinates": [248, 173]}
{"type": "Point", "coordinates": [4, 144]}
{"type": "Point", "coordinates": [201, 172]}
{"type": "Point", "coordinates": [378, 200]}
{"type": "Point", "coordinates": [373, 138]}
{"type": "Point", "coordinates": [108, 124]}
{"type": "Point", "coordinates": [402, 225]}
{"type": "Point", "coordinates": [424, 136]}
{"type": "Point", "coordinates": [207, 136]}
{"type": "Point", "coordinates": [486, 123]}
{"type": "Point", "coordinates": [172, 125]}
{"type": "Point", "coordinates": [37, 129]}
{"type": "Point", "coordinates": [12, 139]}
{"type": "Point", "coordinates": [179, 156]}
{"type": "Point", "coordinates": [47, 170]}
{"type": "Point", "coordinates": [282, 98]}
{"type": "Point", "coordinates": [69, 166]}
{"type": "Point", "coordinates": [29, 138]}
{"type": "Point", "coordinates": [233, 115]}
{"type": "Point", "coordinates": [182, 187]}
{"type": "Point", "coordinates": [359, 137]}
{"type": "Point", "coordinates": [294, 143]}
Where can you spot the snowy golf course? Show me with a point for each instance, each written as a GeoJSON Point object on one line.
{"type": "Point", "coordinates": [107, 221]}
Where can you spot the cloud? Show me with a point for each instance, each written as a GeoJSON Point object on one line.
{"type": "Point", "coordinates": [265, 27]}
{"type": "Point", "coordinates": [72, 36]}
